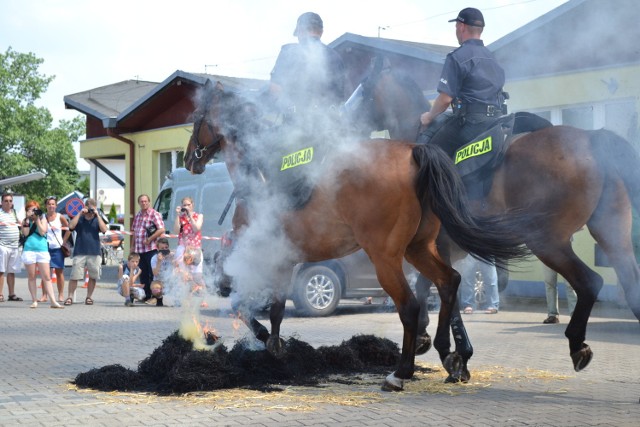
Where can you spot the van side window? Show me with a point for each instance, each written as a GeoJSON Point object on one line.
{"type": "Point", "coordinates": [163, 203]}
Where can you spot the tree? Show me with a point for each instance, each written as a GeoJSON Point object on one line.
{"type": "Point", "coordinates": [28, 141]}
{"type": "Point", "coordinates": [83, 186]}
{"type": "Point", "coordinates": [113, 214]}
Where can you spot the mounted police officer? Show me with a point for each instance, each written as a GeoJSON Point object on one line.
{"type": "Point", "coordinates": [308, 78]}
{"type": "Point", "coordinates": [471, 83]}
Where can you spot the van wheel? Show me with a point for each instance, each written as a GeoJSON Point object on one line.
{"type": "Point", "coordinates": [317, 291]}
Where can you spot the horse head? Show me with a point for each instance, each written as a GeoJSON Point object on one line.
{"type": "Point", "coordinates": [387, 99]}
{"type": "Point", "coordinates": [221, 119]}
{"type": "Point", "coordinates": [206, 139]}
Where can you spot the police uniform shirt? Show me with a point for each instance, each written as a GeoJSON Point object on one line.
{"type": "Point", "coordinates": [472, 74]}
{"type": "Point", "coordinates": [310, 73]}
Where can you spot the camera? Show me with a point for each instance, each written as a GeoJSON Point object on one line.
{"type": "Point", "coordinates": [91, 210]}
{"type": "Point", "coordinates": [184, 210]}
{"type": "Point", "coordinates": [164, 252]}
{"type": "Point", "coordinates": [37, 212]}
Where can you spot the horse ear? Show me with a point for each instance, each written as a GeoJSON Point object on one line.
{"type": "Point", "coordinates": [219, 86]}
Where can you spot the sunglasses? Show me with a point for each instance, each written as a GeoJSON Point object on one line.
{"type": "Point", "coordinates": [51, 198]}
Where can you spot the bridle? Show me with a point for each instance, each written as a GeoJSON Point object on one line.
{"type": "Point", "coordinates": [200, 149]}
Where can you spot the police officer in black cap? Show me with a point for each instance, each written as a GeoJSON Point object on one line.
{"type": "Point", "coordinates": [471, 83]}
{"type": "Point", "coordinates": [308, 77]}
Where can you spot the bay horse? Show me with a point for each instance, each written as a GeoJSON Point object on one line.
{"type": "Point", "coordinates": [389, 198]}
{"type": "Point", "coordinates": [572, 177]}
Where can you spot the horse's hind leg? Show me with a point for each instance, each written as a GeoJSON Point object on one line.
{"type": "Point", "coordinates": [392, 279]}
{"type": "Point", "coordinates": [611, 228]}
{"type": "Point", "coordinates": [586, 283]}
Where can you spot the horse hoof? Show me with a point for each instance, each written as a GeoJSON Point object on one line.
{"type": "Point", "coordinates": [452, 363]}
{"type": "Point", "coordinates": [423, 344]}
{"type": "Point", "coordinates": [582, 357]}
{"type": "Point", "coordinates": [393, 383]}
{"type": "Point", "coordinates": [452, 380]}
{"type": "Point", "coordinates": [275, 347]}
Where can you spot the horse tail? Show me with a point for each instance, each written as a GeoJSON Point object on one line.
{"type": "Point", "coordinates": [493, 239]}
{"type": "Point", "coordinates": [618, 158]}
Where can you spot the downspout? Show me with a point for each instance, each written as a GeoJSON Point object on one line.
{"type": "Point", "coordinates": [132, 192]}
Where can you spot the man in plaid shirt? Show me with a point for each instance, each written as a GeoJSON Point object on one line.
{"type": "Point", "coordinates": [144, 241]}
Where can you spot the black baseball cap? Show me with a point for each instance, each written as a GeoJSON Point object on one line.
{"type": "Point", "coordinates": [308, 20]}
{"type": "Point", "coordinates": [470, 16]}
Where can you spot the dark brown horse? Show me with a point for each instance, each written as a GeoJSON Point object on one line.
{"type": "Point", "coordinates": [570, 176]}
{"type": "Point", "coordinates": [389, 198]}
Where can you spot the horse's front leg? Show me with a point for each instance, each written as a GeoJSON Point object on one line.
{"type": "Point", "coordinates": [456, 363]}
{"type": "Point", "coordinates": [423, 339]}
{"type": "Point", "coordinates": [275, 344]}
{"type": "Point", "coordinates": [449, 317]}
{"type": "Point", "coordinates": [258, 329]}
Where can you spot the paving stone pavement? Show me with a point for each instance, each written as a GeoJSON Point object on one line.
{"type": "Point", "coordinates": [522, 373]}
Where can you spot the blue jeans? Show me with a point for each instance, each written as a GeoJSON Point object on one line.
{"type": "Point", "coordinates": [551, 288]}
{"type": "Point", "coordinates": [468, 267]}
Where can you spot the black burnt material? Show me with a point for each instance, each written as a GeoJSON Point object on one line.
{"type": "Point", "coordinates": [175, 367]}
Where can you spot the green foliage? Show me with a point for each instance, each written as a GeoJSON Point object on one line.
{"type": "Point", "coordinates": [83, 186]}
{"type": "Point", "coordinates": [28, 141]}
{"type": "Point", "coordinates": [113, 214]}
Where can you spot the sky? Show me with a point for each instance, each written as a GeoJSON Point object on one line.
{"type": "Point", "coordinates": [87, 44]}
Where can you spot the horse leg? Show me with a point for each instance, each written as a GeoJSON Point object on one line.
{"type": "Point", "coordinates": [423, 339]}
{"type": "Point", "coordinates": [275, 344]}
{"type": "Point", "coordinates": [258, 329]}
{"type": "Point", "coordinates": [458, 371]}
{"type": "Point", "coordinates": [611, 228]}
{"type": "Point", "coordinates": [457, 366]}
{"type": "Point", "coordinates": [394, 283]}
{"type": "Point", "coordinates": [447, 281]}
{"type": "Point", "coordinates": [587, 285]}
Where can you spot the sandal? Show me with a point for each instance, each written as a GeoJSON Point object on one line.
{"type": "Point", "coordinates": [491, 311]}
{"type": "Point", "coordinates": [68, 301]}
{"type": "Point", "coordinates": [13, 298]}
{"type": "Point", "coordinates": [88, 301]}
{"type": "Point", "coordinates": [1, 298]}
{"type": "Point", "coordinates": [468, 310]}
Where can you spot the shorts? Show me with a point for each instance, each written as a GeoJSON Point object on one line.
{"type": "Point", "coordinates": [138, 293]}
{"type": "Point", "coordinates": [10, 260]}
{"type": "Point", "coordinates": [57, 259]}
{"type": "Point", "coordinates": [93, 263]}
{"type": "Point", "coordinates": [31, 257]}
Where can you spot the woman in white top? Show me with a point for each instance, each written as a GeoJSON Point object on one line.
{"type": "Point", "coordinates": [57, 235]}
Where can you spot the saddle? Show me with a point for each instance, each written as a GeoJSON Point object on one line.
{"type": "Point", "coordinates": [292, 167]}
{"type": "Point", "coordinates": [477, 160]}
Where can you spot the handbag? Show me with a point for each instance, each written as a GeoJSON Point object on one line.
{"type": "Point", "coordinates": [66, 250]}
{"type": "Point", "coordinates": [151, 229]}
{"type": "Point", "coordinates": [21, 237]}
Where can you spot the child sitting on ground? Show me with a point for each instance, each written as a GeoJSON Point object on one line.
{"type": "Point", "coordinates": [128, 274]}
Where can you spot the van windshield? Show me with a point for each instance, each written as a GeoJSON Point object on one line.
{"type": "Point", "coordinates": [163, 203]}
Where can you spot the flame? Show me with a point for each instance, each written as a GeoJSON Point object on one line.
{"type": "Point", "coordinates": [236, 322]}
{"type": "Point", "coordinates": [192, 330]}
{"type": "Point", "coordinates": [209, 329]}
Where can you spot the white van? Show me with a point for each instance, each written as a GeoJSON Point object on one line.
{"type": "Point", "coordinates": [210, 192]}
